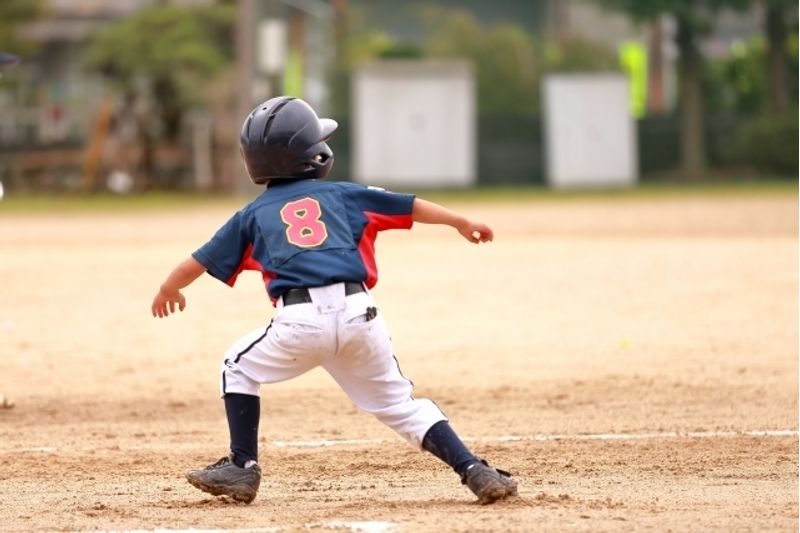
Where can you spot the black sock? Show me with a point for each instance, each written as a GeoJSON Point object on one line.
{"type": "Point", "coordinates": [244, 414]}
{"type": "Point", "coordinates": [443, 442]}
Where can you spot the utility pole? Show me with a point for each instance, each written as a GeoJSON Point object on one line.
{"type": "Point", "coordinates": [245, 22]}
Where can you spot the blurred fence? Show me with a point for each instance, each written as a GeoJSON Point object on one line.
{"type": "Point", "coordinates": [511, 151]}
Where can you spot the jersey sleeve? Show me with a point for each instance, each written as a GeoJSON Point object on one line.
{"type": "Point", "coordinates": [394, 210]}
{"type": "Point", "coordinates": [228, 251]}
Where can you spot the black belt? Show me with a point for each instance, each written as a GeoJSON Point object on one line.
{"type": "Point", "coordinates": [302, 296]}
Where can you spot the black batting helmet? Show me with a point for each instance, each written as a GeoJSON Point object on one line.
{"type": "Point", "coordinates": [284, 138]}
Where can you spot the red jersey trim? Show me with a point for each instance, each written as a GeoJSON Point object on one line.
{"type": "Point", "coordinates": [366, 246]}
{"type": "Point", "coordinates": [247, 263]}
{"type": "Point", "coordinates": [268, 277]}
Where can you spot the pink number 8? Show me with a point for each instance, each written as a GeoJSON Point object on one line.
{"type": "Point", "coordinates": [304, 227]}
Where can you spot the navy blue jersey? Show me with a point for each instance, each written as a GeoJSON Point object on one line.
{"type": "Point", "coordinates": [306, 233]}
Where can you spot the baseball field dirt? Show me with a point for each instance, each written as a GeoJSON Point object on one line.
{"type": "Point", "coordinates": [632, 361]}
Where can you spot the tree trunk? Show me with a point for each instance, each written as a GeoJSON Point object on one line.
{"type": "Point", "coordinates": [655, 79]}
{"type": "Point", "coordinates": [693, 163]}
{"type": "Point", "coordinates": [777, 64]}
{"type": "Point", "coordinates": [148, 161]}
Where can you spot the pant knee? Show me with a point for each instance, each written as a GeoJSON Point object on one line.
{"type": "Point", "coordinates": [233, 380]}
{"type": "Point", "coordinates": [411, 419]}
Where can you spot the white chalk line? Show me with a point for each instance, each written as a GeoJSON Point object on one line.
{"type": "Point", "coordinates": [546, 437]}
{"type": "Point", "coordinates": [370, 526]}
{"type": "Point", "coordinates": [324, 443]}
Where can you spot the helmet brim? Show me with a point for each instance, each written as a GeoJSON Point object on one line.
{"type": "Point", "coordinates": [328, 126]}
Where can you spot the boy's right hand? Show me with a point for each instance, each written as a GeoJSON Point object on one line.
{"type": "Point", "coordinates": [475, 232]}
{"type": "Point", "coordinates": [165, 301]}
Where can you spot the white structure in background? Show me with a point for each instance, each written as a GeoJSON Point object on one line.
{"type": "Point", "coordinates": [273, 37]}
{"type": "Point", "coordinates": [414, 124]}
{"type": "Point", "coordinates": [589, 131]}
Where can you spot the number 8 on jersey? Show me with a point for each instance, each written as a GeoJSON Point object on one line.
{"type": "Point", "coordinates": [303, 225]}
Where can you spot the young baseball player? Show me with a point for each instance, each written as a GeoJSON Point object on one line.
{"type": "Point", "coordinates": [313, 242]}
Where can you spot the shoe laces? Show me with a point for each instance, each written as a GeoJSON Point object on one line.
{"type": "Point", "coordinates": [484, 463]}
{"type": "Point", "coordinates": [222, 462]}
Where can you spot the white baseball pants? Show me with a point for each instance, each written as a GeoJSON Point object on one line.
{"type": "Point", "coordinates": [332, 331]}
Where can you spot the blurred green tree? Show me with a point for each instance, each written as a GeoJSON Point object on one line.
{"type": "Point", "coordinates": [164, 56]}
{"type": "Point", "coordinates": [509, 85]}
{"type": "Point", "coordinates": [742, 83]}
{"type": "Point", "coordinates": [357, 43]}
{"type": "Point", "coordinates": [509, 60]}
{"type": "Point", "coordinates": [694, 20]}
{"type": "Point", "coordinates": [767, 138]}
{"type": "Point", "coordinates": [738, 83]}
{"type": "Point", "coordinates": [578, 54]}
{"type": "Point", "coordinates": [13, 13]}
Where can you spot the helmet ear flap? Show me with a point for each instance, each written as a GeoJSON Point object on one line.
{"type": "Point", "coordinates": [323, 168]}
{"type": "Point", "coordinates": [319, 165]}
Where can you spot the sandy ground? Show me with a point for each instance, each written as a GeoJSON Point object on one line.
{"type": "Point", "coordinates": [635, 349]}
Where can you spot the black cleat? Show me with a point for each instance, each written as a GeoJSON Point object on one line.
{"type": "Point", "coordinates": [489, 484]}
{"type": "Point", "coordinates": [224, 478]}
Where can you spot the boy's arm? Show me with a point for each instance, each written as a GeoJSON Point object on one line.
{"type": "Point", "coordinates": [169, 294]}
{"type": "Point", "coordinates": [432, 213]}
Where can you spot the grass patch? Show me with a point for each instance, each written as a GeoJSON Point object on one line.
{"type": "Point", "coordinates": [107, 203]}
{"type": "Point", "coordinates": [161, 201]}
{"type": "Point", "coordinates": [648, 191]}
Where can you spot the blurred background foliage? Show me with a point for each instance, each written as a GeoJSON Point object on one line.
{"type": "Point", "coordinates": [12, 14]}
{"type": "Point", "coordinates": [509, 61]}
{"type": "Point", "coordinates": [168, 53]}
{"type": "Point", "coordinates": [740, 85]}
{"type": "Point", "coordinates": [736, 112]}
{"type": "Point", "coordinates": [727, 107]}
{"type": "Point", "coordinates": [160, 61]}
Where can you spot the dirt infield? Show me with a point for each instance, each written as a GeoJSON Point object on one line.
{"type": "Point", "coordinates": [633, 362]}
